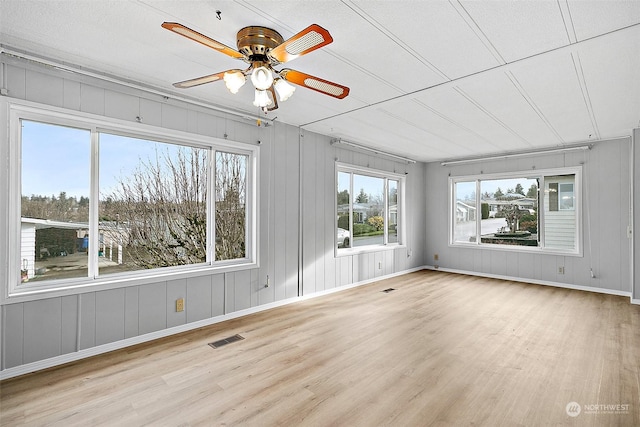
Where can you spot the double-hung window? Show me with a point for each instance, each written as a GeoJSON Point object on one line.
{"type": "Point", "coordinates": [369, 208]}
{"type": "Point", "coordinates": [96, 200]}
{"type": "Point", "coordinates": [535, 211]}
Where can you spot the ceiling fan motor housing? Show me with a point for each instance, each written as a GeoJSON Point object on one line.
{"type": "Point", "coordinates": [256, 42]}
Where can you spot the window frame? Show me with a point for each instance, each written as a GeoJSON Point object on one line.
{"type": "Point", "coordinates": [24, 110]}
{"type": "Point", "coordinates": [401, 218]}
{"type": "Point", "coordinates": [542, 175]}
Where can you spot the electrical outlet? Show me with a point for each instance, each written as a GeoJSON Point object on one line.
{"type": "Point", "coordinates": [436, 257]}
{"type": "Point", "coordinates": [560, 270]}
{"type": "Point", "coordinates": [379, 266]}
{"type": "Point", "coordinates": [180, 304]}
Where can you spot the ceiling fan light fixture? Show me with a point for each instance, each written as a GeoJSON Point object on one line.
{"type": "Point", "coordinates": [234, 80]}
{"type": "Point", "coordinates": [262, 99]}
{"type": "Point", "coordinates": [283, 89]}
{"type": "Point", "coordinates": [262, 78]}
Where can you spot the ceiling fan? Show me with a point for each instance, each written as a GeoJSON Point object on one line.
{"type": "Point", "coordinates": [263, 49]}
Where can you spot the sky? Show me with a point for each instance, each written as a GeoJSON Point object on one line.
{"type": "Point", "coordinates": [57, 158]}
{"type": "Point", "coordinates": [465, 190]}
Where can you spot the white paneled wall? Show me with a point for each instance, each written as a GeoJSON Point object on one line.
{"type": "Point", "coordinates": [605, 217]}
{"type": "Point", "coordinates": [295, 263]}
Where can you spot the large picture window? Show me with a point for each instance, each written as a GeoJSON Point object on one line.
{"type": "Point", "coordinates": [368, 207]}
{"type": "Point", "coordinates": [97, 201]}
{"type": "Point", "coordinates": [524, 211]}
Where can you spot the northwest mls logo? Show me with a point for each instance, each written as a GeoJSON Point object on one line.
{"type": "Point", "coordinates": [573, 409]}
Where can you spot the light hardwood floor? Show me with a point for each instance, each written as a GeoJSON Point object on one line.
{"type": "Point", "coordinates": [442, 349]}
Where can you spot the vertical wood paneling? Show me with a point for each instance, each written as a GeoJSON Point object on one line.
{"type": "Point", "coordinates": [636, 214]}
{"type": "Point", "coordinates": [309, 217]}
{"type": "Point", "coordinates": [71, 95]}
{"type": "Point", "coordinates": [242, 285]}
{"type": "Point", "coordinates": [152, 306]}
{"type": "Point", "coordinates": [87, 325]}
{"type": "Point", "coordinates": [257, 286]}
{"type": "Point", "coordinates": [121, 106]}
{"type": "Point", "coordinates": [207, 125]}
{"type": "Point", "coordinates": [329, 195]}
{"type": "Point", "coordinates": [131, 314]}
{"type": "Point", "coordinates": [110, 308]}
{"type": "Point", "coordinates": [291, 213]}
{"type": "Point", "coordinates": [12, 335]}
{"type": "Point", "coordinates": [279, 195]}
{"type": "Point", "coordinates": [378, 263]}
{"type": "Point", "coordinates": [42, 329]}
{"type": "Point", "coordinates": [176, 289]}
{"type": "Point", "coordinates": [44, 89]}
{"type": "Point", "coordinates": [217, 295]}
{"type": "Point", "coordinates": [69, 324]}
{"type": "Point", "coordinates": [16, 82]}
{"type": "Point", "coordinates": [150, 112]}
{"type": "Point", "coordinates": [174, 117]}
{"type": "Point", "coordinates": [198, 303]}
{"type": "Point", "coordinates": [230, 292]}
{"type": "Point", "coordinates": [91, 99]}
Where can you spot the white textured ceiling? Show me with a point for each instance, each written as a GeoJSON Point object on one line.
{"type": "Point", "coordinates": [431, 80]}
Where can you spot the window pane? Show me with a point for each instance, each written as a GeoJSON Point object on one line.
{"type": "Point", "coordinates": [560, 215]}
{"type": "Point", "coordinates": [231, 206]}
{"type": "Point", "coordinates": [153, 210]}
{"type": "Point", "coordinates": [392, 218]}
{"type": "Point", "coordinates": [464, 229]}
{"type": "Point", "coordinates": [368, 210]}
{"type": "Point", "coordinates": [509, 209]}
{"type": "Point", "coordinates": [343, 200]}
{"type": "Point", "coordinates": [55, 201]}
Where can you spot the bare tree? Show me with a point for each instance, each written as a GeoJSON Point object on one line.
{"type": "Point", "coordinates": [230, 203]}
{"type": "Point", "coordinates": [158, 214]}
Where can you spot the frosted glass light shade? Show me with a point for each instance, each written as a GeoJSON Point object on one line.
{"type": "Point", "coordinates": [234, 80]}
{"type": "Point", "coordinates": [262, 78]}
{"type": "Point", "coordinates": [262, 99]}
{"type": "Point", "coordinates": [283, 89]}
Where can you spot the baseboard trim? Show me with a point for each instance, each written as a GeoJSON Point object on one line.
{"type": "Point", "coordinates": [635, 301]}
{"type": "Point", "coordinates": [534, 281]}
{"type": "Point", "coordinates": [117, 345]}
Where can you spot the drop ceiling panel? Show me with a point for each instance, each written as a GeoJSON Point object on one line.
{"type": "Point", "coordinates": [500, 95]}
{"type": "Point", "coordinates": [591, 18]}
{"type": "Point", "coordinates": [451, 103]}
{"type": "Point", "coordinates": [552, 84]}
{"type": "Point", "coordinates": [378, 130]}
{"type": "Point", "coordinates": [433, 30]}
{"type": "Point", "coordinates": [458, 140]}
{"type": "Point", "coordinates": [612, 79]}
{"type": "Point", "coordinates": [518, 29]}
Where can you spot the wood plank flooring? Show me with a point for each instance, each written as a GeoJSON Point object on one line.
{"type": "Point", "coordinates": [442, 349]}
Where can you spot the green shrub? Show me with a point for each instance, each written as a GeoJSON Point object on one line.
{"type": "Point", "coordinates": [530, 226]}
{"type": "Point", "coordinates": [359, 229]}
{"type": "Point", "coordinates": [485, 210]}
{"type": "Point", "coordinates": [343, 222]}
{"type": "Point", "coordinates": [528, 217]}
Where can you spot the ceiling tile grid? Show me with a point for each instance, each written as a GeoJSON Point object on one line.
{"type": "Point", "coordinates": [429, 79]}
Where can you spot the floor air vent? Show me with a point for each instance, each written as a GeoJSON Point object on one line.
{"type": "Point", "coordinates": [386, 291]}
{"type": "Point", "coordinates": [226, 341]}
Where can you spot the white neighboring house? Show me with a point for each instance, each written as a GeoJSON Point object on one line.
{"type": "Point", "coordinates": [28, 240]}
{"type": "Point", "coordinates": [465, 212]}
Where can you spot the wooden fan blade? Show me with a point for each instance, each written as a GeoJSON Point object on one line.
{"type": "Point", "coordinates": [311, 38]}
{"type": "Point", "coordinates": [315, 83]}
{"type": "Point", "coordinates": [201, 80]}
{"type": "Point", "coordinates": [202, 39]}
